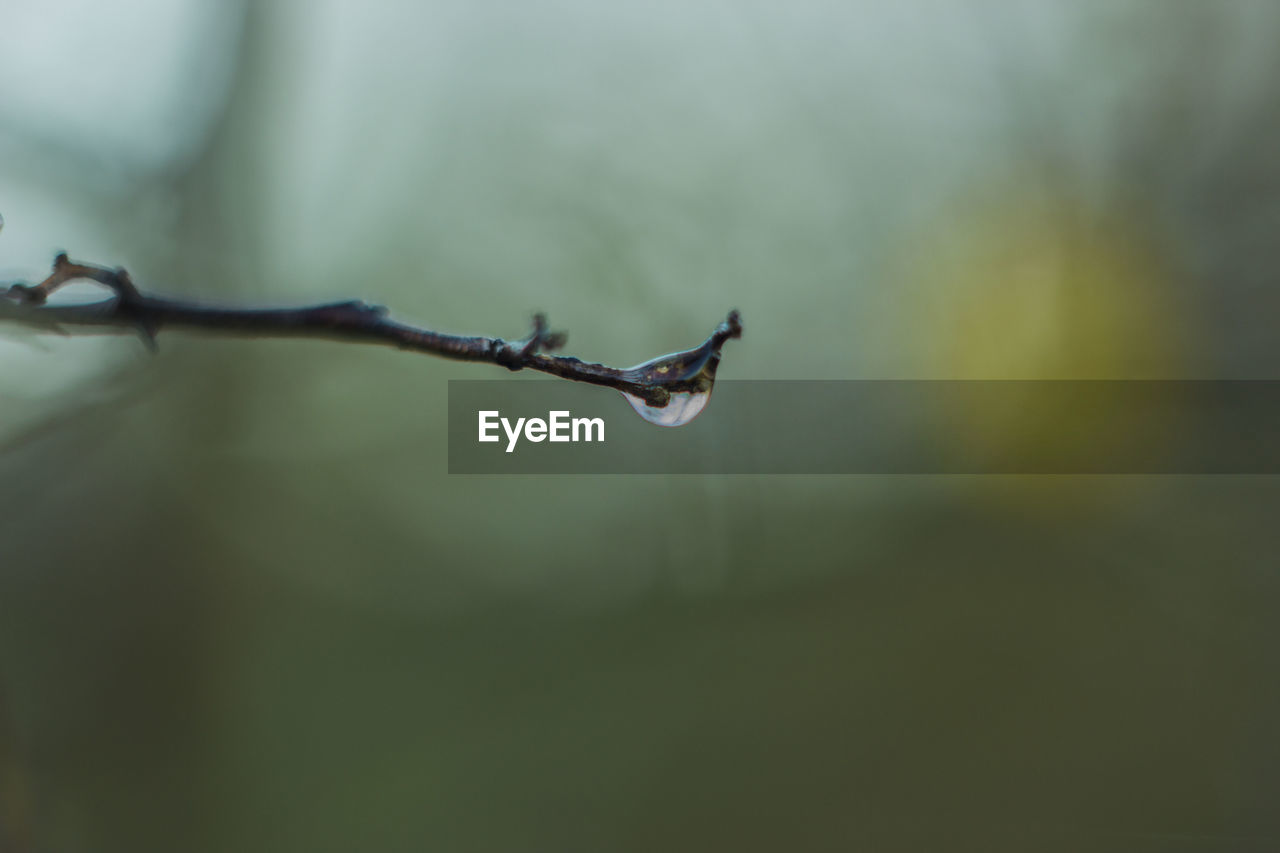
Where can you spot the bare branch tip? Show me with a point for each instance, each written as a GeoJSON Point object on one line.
{"type": "Point", "coordinates": [734, 322]}
{"type": "Point", "coordinates": [26, 294]}
{"type": "Point", "coordinates": [730, 328]}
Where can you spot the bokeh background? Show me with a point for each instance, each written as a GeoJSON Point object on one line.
{"type": "Point", "coordinates": [243, 607]}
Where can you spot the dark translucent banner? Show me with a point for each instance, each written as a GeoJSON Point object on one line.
{"type": "Point", "coordinates": [534, 426]}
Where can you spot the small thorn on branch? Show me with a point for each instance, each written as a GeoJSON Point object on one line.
{"type": "Point", "coordinates": [515, 355]}
{"type": "Point", "coordinates": [543, 339]}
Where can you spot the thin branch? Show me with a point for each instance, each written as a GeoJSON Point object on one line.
{"type": "Point", "coordinates": [353, 321]}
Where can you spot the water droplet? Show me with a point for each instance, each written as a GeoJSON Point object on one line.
{"type": "Point", "coordinates": [680, 409]}
{"type": "Point", "coordinates": [679, 385]}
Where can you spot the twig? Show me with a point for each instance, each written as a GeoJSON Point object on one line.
{"type": "Point", "coordinates": [353, 321]}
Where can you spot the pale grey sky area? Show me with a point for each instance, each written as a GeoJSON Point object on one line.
{"type": "Point", "coordinates": [133, 84]}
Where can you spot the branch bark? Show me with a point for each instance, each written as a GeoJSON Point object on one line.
{"type": "Point", "coordinates": [353, 321]}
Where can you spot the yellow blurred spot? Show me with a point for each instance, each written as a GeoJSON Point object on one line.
{"type": "Point", "coordinates": [1028, 289]}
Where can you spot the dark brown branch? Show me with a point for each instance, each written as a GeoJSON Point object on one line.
{"type": "Point", "coordinates": [354, 321]}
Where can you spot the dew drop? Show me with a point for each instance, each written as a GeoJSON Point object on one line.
{"type": "Point", "coordinates": [679, 384]}
{"type": "Point", "coordinates": [681, 408]}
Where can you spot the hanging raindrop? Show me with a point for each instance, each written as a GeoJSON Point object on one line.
{"type": "Point", "coordinates": [678, 386]}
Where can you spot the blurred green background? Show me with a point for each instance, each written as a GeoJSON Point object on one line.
{"type": "Point", "coordinates": [243, 607]}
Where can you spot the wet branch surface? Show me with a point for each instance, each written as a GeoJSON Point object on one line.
{"type": "Point", "coordinates": [355, 321]}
